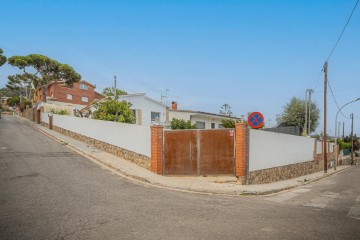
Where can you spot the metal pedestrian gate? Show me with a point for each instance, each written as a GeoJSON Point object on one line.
{"type": "Point", "coordinates": [199, 152]}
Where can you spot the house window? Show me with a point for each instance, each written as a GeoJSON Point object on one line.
{"type": "Point", "coordinates": [84, 99]}
{"type": "Point", "coordinates": [155, 116]}
{"type": "Point", "coordinates": [68, 96]}
{"type": "Point", "coordinates": [200, 125]}
{"type": "Point", "coordinates": [212, 125]}
{"type": "Point", "coordinates": [84, 87]}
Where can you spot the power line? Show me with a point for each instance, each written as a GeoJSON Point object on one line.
{"type": "Point", "coordinates": [316, 81]}
{"type": "Point", "coordinates": [342, 32]}
{"type": "Point", "coordinates": [332, 93]}
{"type": "Point", "coordinates": [325, 67]}
{"type": "Point", "coordinates": [333, 49]}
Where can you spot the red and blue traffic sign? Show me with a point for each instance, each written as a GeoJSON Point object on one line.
{"type": "Point", "coordinates": [256, 120]}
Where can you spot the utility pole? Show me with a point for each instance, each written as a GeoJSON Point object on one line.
{"type": "Point", "coordinates": [309, 122]}
{"type": "Point", "coordinates": [115, 92]}
{"type": "Point", "coordinates": [306, 112]}
{"type": "Point", "coordinates": [115, 97]}
{"type": "Point", "coordinates": [352, 139]}
{"type": "Point", "coordinates": [343, 135]}
{"type": "Point", "coordinates": [336, 123]}
{"type": "Point", "coordinates": [325, 109]}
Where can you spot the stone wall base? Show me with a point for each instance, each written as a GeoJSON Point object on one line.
{"type": "Point", "coordinates": [136, 158]}
{"type": "Point", "coordinates": [285, 172]}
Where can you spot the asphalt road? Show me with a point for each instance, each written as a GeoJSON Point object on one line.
{"type": "Point", "coordinates": [47, 191]}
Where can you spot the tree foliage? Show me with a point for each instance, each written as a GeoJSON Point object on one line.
{"type": "Point", "coordinates": [346, 143]}
{"type": "Point", "coordinates": [6, 92]}
{"type": "Point", "coordinates": [228, 123]}
{"type": "Point", "coordinates": [25, 103]}
{"type": "Point", "coordinates": [13, 101]}
{"type": "Point", "coordinates": [2, 58]}
{"type": "Point", "coordinates": [294, 114]}
{"type": "Point", "coordinates": [181, 124]}
{"type": "Point", "coordinates": [109, 92]}
{"type": "Point", "coordinates": [43, 70]}
{"type": "Point", "coordinates": [226, 110]}
{"type": "Point", "coordinates": [113, 110]}
{"type": "Point", "coordinates": [20, 83]}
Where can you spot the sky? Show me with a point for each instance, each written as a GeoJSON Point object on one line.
{"type": "Point", "coordinates": [253, 55]}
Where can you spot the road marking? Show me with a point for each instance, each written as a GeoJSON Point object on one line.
{"type": "Point", "coordinates": [288, 195]}
{"type": "Point", "coordinates": [282, 197]}
{"type": "Point", "coordinates": [355, 210]}
{"type": "Point", "coordinates": [322, 201]}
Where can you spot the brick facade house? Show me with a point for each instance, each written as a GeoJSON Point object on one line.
{"type": "Point", "coordinates": [80, 93]}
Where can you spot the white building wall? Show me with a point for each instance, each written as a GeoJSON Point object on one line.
{"type": "Point", "coordinates": [131, 137]}
{"type": "Point", "coordinates": [179, 115]}
{"type": "Point", "coordinates": [268, 149]}
{"type": "Point", "coordinates": [207, 119]}
{"type": "Point", "coordinates": [146, 106]}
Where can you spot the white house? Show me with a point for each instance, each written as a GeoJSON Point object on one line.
{"type": "Point", "coordinates": [203, 120]}
{"type": "Point", "coordinates": [146, 110]}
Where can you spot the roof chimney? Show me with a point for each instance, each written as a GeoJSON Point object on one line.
{"type": "Point", "coordinates": [174, 105]}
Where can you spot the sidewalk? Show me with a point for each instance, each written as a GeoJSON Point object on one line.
{"type": "Point", "coordinates": [226, 185]}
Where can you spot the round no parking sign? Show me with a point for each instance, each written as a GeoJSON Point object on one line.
{"type": "Point", "coordinates": [256, 120]}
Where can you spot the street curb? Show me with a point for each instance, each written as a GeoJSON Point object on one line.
{"type": "Point", "coordinates": [127, 175]}
{"type": "Point", "coordinates": [297, 185]}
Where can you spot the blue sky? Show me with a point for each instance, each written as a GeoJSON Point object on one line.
{"type": "Point", "coordinates": [254, 55]}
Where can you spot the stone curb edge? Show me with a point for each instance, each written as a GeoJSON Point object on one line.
{"type": "Point", "coordinates": [128, 175]}
{"type": "Point", "coordinates": [273, 191]}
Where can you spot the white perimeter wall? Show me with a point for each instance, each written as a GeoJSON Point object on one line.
{"type": "Point", "coordinates": [319, 147]}
{"type": "Point", "coordinates": [269, 149]}
{"type": "Point", "coordinates": [131, 137]}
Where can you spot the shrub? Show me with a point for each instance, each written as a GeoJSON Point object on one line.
{"type": "Point", "coordinates": [59, 112]}
{"type": "Point", "coordinates": [344, 145]}
{"type": "Point", "coordinates": [13, 101]}
{"type": "Point", "coordinates": [182, 124]}
{"type": "Point", "coordinates": [113, 110]}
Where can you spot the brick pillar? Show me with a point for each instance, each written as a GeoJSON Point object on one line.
{"type": "Point", "coordinates": [157, 149]}
{"type": "Point", "coordinates": [240, 150]}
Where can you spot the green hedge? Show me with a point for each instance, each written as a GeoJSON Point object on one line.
{"type": "Point", "coordinates": [344, 145]}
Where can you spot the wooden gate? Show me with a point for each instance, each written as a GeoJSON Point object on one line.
{"type": "Point", "coordinates": [199, 152]}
